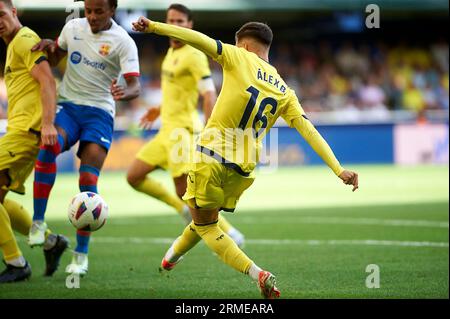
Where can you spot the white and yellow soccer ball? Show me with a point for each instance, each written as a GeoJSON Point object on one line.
{"type": "Point", "coordinates": [88, 211]}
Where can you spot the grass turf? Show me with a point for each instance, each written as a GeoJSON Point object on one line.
{"type": "Point", "coordinates": [302, 213]}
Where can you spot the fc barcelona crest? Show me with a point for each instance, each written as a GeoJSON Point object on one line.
{"type": "Point", "coordinates": [104, 49]}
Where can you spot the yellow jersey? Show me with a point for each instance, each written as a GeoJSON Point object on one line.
{"type": "Point", "coordinates": [182, 69]}
{"type": "Point", "coordinates": [252, 98]}
{"type": "Point", "coordinates": [24, 98]}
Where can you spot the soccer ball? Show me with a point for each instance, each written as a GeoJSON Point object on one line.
{"type": "Point", "coordinates": [88, 211]}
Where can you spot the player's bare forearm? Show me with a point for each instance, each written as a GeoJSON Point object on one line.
{"type": "Point", "coordinates": [130, 92]}
{"type": "Point", "coordinates": [209, 99]}
{"type": "Point", "coordinates": [193, 38]}
{"type": "Point", "coordinates": [48, 99]}
{"type": "Point", "coordinates": [43, 75]}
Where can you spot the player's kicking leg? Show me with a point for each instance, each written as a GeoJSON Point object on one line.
{"type": "Point", "coordinates": [92, 157]}
{"type": "Point", "coordinates": [181, 186]}
{"type": "Point", "coordinates": [39, 235]}
{"type": "Point", "coordinates": [204, 226]}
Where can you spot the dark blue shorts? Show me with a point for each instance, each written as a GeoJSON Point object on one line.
{"type": "Point", "coordinates": [85, 124]}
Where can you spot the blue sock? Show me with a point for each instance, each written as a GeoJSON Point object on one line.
{"type": "Point", "coordinates": [82, 241]}
{"type": "Point", "coordinates": [87, 183]}
{"type": "Point", "coordinates": [44, 177]}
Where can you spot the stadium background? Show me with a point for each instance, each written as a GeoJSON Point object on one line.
{"type": "Point", "coordinates": [380, 97]}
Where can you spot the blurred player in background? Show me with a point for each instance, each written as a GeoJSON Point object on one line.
{"type": "Point", "coordinates": [253, 96]}
{"type": "Point", "coordinates": [185, 74]}
{"type": "Point", "coordinates": [98, 51]}
{"type": "Point", "coordinates": [31, 112]}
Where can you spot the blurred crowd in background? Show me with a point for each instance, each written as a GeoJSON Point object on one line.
{"type": "Point", "coordinates": [348, 78]}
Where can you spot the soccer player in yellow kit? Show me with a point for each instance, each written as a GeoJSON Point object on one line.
{"type": "Point", "coordinates": [185, 74]}
{"type": "Point", "coordinates": [31, 111]}
{"type": "Point", "coordinates": [253, 96]}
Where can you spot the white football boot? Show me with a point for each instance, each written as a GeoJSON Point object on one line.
{"type": "Point", "coordinates": [79, 264]}
{"type": "Point", "coordinates": [36, 236]}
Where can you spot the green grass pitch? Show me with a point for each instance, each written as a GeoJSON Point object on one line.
{"type": "Point", "coordinates": [302, 224]}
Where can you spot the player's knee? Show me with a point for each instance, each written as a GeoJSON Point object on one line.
{"type": "Point", "coordinates": [180, 185]}
{"type": "Point", "coordinates": [2, 194]}
{"type": "Point", "coordinates": [180, 191]}
{"type": "Point", "coordinates": [4, 181]}
{"type": "Point", "coordinates": [54, 149]}
{"type": "Point", "coordinates": [4, 178]}
{"type": "Point", "coordinates": [134, 179]}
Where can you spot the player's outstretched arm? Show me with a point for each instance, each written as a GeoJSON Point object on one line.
{"type": "Point", "coordinates": [193, 38]}
{"type": "Point", "coordinates": [131, 91]}
{"type": "Point", "coordinates": [55, 54]}
{"type": "Point", "coordinates": [321, 147]}
{"type": "Point", "coordinates": [42, 73]}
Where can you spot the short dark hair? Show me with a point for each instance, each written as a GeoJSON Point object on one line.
{"type": "Point", "coordinates": [112, 3]}
{"type": "Point", "coordinates": [8, 3]}
{"type": "Point", "coordinates": [256, 30]}
{"type": "Point", "coordinates": [181, 8]}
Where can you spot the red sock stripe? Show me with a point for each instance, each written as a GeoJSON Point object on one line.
{"type": "Point", "coordinates": [42, 167]}
{"type": "Point", "coordinates": [83, 233]}
{"type": "Point", "coordinates": [54, 149]}
{"type": "Point", "coordinates": [88, 179]}
{"type": "Point", "coordinates": [41, 190]}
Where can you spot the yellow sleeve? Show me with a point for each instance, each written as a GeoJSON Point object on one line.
{"type": "Point", "coordinates": [225, 54]}
{"type": "Point", "coordinates": [295, 117]}
{"type": "Point", "coordinates": [293, 109]}
{"type": "Point", "coordinates": [23, 47]}
{"type": "Point", "coordinates": [193, 38]}
{"type": "Point", "coordinates": [199, 66]}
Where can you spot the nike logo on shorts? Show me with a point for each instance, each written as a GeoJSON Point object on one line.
{"type": "Point", "coordinates": [11, 154]}
{"type": "Point", "coordinates": [104, 140]}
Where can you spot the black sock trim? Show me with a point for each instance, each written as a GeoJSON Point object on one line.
{"type": "Point", "coordinates": [207, 223]}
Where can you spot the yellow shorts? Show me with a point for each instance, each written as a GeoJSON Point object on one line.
{"type": "Point", "coordinates": [18, 153]}
{"type": "Point", "coordinates": [213, 185]}
{"type": "Point", "coordinates": [169, 150]}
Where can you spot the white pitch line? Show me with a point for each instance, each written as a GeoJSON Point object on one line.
{"type": "Point", "coordinates": [353, 221]}
{"type": "Point", "coordinates": [333, 242]}
{"type": "Point", "coordinates": [315, 220]}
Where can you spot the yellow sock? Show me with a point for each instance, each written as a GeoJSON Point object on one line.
{"type": "Point", "coordinates": [8, 242]}
{"type": "Point", "coordinates": [19, 216]}
{"type": "Point", "coordinates": [224, 224]}
{"type": "Point", "coordinates": [158, 191]}
{"type": "Point", "coordinates": [222, 244]}
{"type": "Point", "coordinates": [186, 241]}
